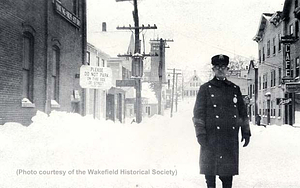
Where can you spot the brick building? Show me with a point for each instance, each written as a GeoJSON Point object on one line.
{"type": "Point", "coordinates": [42, 47]}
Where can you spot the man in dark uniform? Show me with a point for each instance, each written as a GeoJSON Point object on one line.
{"type": "Point", "coordinates": [219, 112]}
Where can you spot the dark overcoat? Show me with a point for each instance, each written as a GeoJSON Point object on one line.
{"type": "Point", "coordinates": [219, 112]}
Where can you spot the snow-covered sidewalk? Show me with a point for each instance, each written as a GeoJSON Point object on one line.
{"type": "Point", "coordinates": [67, 150]}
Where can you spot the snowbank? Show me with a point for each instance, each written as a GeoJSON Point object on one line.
{"type": "Point", "coordinates": [68, 150]}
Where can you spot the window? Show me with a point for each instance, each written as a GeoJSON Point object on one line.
{"type": "Point", "coordinates": [88, 58]}
{"type": "Point", "coordinates": [260, 111]}
{"type": "Point", "coordinates": [263, 54]}
{"type": "Point", "coordinates": [259, 83]}
{"type": "Point", "coordinates": [274, 45]}
{"type": "Point", "coordinates": [259, 56]}
{"type": "Point", "coordinates": [103, 63]}
{"type": "Point", "coordinates": [268, 48]}
{"type": "Point", "coordinates": [273, 78]}
{"type": "Point", "coordinates": [271, 108]}
{"type": "Point", "coordinates": [279, 42]}
{"type": "Point", "coordinates": [265, 81]}
{"type": "Point", "coordinates": [291, 29]}
{"type": "Point", "coordinates": [279, 76]}
{"type": "Point", "coordinates": [279, 111]}
{"type": "Point", "coordinates": [297, 67]}
{"type": "Point", "coordinates": [28, 51]}
{"type": "Point", "coordinates": [98, 61]}
{"type": "Point", "coordinates": [55, 74]}
{"type": "Point", "coordinates": [297, 29]}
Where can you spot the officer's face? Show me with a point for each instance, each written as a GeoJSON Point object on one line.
{"type": "Point", "coordinates": [220, 71]}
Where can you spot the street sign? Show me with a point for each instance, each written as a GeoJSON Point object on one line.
{"type": "Point", "coordinates": [95, 77]}
{"type": "Point", "coordinates": [283, 101]}
{"type": "Point", "coordinates": [293, 87]}
{"type": "Point", "coordinates": [125, 83]}
{"type": "Point", "coordinates": [288, 39]}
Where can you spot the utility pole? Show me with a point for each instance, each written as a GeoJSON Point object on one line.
{"type": "Point", "coordinates": [176, 99]}
{"type": "Point", "coordinates": [161, 67]}
{"type": "Point", "coordinates": [137, 61]}
{"type": "Point", "coordinates": [175, 74]}
{"type": "Point", "coordinates": [172, 93]}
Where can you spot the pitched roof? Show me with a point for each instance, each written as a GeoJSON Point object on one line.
{"type": "Point", "coordinates": [263, 22]}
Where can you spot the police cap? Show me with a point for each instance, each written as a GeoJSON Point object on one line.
{"type": "Point", "coordinates": [220, 60]}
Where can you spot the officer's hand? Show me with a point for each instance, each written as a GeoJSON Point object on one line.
{"type": "Point", "coordinates": [247, 140]}
{"type": "Point", "coordinates": [202, 140]}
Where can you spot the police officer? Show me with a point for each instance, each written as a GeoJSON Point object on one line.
{"type": "Point", "coordinates": [219, 112]}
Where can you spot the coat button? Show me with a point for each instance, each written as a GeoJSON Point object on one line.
{"type": "Point", "coordinates": [235, 95]}
{"type": "Point", "coordinates": [233, 127]}
{"type": "Point", "coordinates": [209, 86]}
{"type": "Point", "coordinates": [234, 106]}
{"type": "Point", "coordinates": [215, 105]}
{"type": "Point", "coordinates": [218, 127]}
{"type": "Point", "coordinates": [234, 116]}
{"type": "Point", "coordinates": [221, 157]}
{"type": "Point", "coordinates": [234, 86]}
{"type": "Point", "coordinates": [212, 95]}
{"type": "Point", "coordinates": [217, 117]}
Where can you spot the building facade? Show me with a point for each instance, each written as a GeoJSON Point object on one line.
{"type": "Point", "coordinates": [252, 83]}
{"type": "Point", "coordinates": [291, 63]}
{"type": "Point", "coordinates": [270, 67]}
{"type": "Point", "coordinates": [279, 66]}
{"type": "Point", "coordinates": [95, 99]}
{"type": "Point", "coordinates": [191, 87]}
{"type": "Point", "coordinates": [43, 45]}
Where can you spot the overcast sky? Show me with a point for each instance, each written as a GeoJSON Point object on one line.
{"type": "Point", "coordinates": [199, 28]}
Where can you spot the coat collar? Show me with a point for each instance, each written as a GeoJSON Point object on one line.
{"type": "Point", "coordinates": [219, 83]}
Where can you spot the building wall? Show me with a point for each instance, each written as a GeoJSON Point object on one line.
{"type": "Point", "coordinates": [191, 87]}
{"type": "Point", "coordinates": [293, 110]}
{"type": "Point", "coordinates": [96, 98]}
{"type": "Point", "coordinates": [252, 92]}
{"type": "Point", "coordinates": [272, 62]}
{"type": "Point", "coordinates": [34, 17]}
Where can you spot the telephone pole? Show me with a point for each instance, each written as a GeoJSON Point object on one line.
{"type": "Point", "coordinates": [175, 74]}
{"type": "Point", "coordinates": [161, 68]}
{"type": "Point", "coordinates": [137, 61]}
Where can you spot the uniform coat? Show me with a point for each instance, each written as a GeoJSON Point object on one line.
{"type": "Point", "coordinates": [219, 112]}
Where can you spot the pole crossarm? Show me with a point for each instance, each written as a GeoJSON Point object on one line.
{"type": "Point", "coordinates": [123, 0]}
{"type": "Point", "coordinates": [165, 40]}
{"type": "Point", "coordinates": [137, 56]}
{"type": "Point", "coordinates": [140, 27]}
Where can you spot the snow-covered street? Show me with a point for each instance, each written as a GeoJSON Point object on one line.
{"type": "Point", "coordinates": [67, 150]}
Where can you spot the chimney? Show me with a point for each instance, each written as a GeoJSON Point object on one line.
{"type": "Point", "coordinates": [103, 26]}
